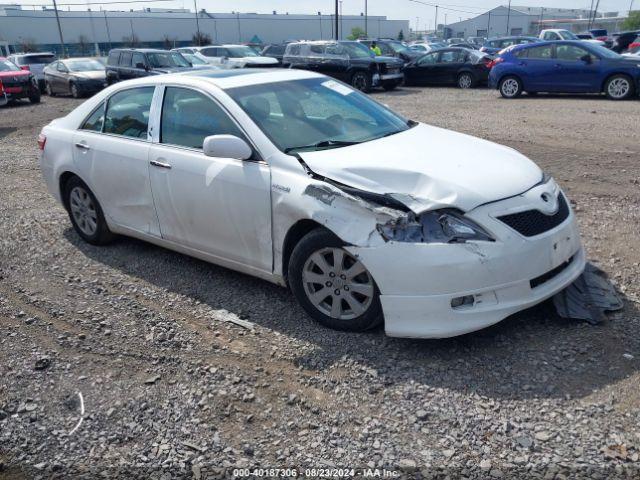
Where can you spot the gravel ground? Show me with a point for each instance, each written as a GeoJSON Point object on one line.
{"type": "Point", "coordinates": [173, 388]}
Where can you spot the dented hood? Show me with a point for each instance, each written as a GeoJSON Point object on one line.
{"type": "Point", "coordinates": [427, 167]}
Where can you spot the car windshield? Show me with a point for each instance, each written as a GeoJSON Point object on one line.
{"type": "Point", "coordinates": [316, 114]}
{"type": "Point", "coordinates": [84, 65]}
{"type": "Point", "coordinates": [398, 47]}
{"type": "Point", "coordinates": [604, 52]}
{"type": "Point", "coordinates": [567, 35]}
{"type": "Point", "coordinates": [193, 59]}
{"type": "Point", "coordinates": [167, 60]}
{"type": "Point", "coordinates": [239, 52]}
{"type": "Point", "coordinates": [7, 66]}
{"type": "Point", "coordinates": [357, 50]}
{"type": "Point", "coordinates": [36, 59]}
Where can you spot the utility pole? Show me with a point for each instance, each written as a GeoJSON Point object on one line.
{"type": "Point", "coordinates": [508, 17]}
{"type": "Point", "coordinates": [195, 7]}
{"type": "Point", "coordinates": [489, 25]}
{"type": "Point", "coordinates": [366, 14]}
{"type": "Point", "coordinates": [436, 22]}
{"type": "Point", "coordinates": [595, 13]}
{"type": "Point", "coordinates": [341, 21]}
{"type": "Point", "coordinates": [337, 27]}
{"type": "Point", "coordinates": [444, 32]}
{"type": "Point", "coordinates": [106, 23]}
{"type": "Point", "coordinates": [55, 7]}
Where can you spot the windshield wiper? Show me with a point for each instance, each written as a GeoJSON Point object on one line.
{"type": "Point", "coordinates": [322, 144]}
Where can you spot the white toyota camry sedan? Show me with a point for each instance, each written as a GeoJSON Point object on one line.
{"type": "Point", "coordinates": [300, 180]}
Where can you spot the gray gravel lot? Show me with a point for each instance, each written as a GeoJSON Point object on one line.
{"type": "Point", "coordinates": [172, 389]}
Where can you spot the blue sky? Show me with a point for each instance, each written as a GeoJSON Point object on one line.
{"type": "Point", "coordinates": [396, 9]}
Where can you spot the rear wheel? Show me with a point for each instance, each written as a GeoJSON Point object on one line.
{"type": "Point", "coordinates": [85, 213]}
{"type": "Point", "coordinates": [332, 285]}
{"type": "Point", "coordinates": [74, 91]}
{"type": "Point", "coordinates": [510, 87]}
{"type": "Point", "coordinates": [618, 87]}
{"type": "Point", "coordinates": [465, 80]}
{"type": "Point", "coordinates": [362, 81]}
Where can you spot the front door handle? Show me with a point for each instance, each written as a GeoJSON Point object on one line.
{"type": "Point", "coordinates": [83, 146]}
{"type": "Point", "coordinates": [157, 163]}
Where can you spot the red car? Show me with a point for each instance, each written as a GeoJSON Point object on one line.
{"type": "Point", "coordinates": [16, 84]}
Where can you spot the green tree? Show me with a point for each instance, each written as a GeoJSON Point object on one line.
{"type": "Point", "coordinates": [632, 22]}
{"type": "Point", "coordinates": [356, 33]}
{"type": "Point", "coordinates": [401, 35]}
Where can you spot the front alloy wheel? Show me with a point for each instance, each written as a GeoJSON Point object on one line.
{"type": "Point", "coordinates": [361, 81]}
{"type": "Point", "coordinates": [337, 284]}
{"type": "Point", "coordinates": [75, 93]}
{"type": "Point", "coordinates": [332, 285]}
{"type": "Point", "coordinates": [619, 87]}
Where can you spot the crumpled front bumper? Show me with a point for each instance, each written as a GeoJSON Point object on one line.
{"type": "Point", "coordinates": [418, 281]}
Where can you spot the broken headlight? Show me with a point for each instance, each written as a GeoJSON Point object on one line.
{"type": "Point", "coordinates": [438, 226]}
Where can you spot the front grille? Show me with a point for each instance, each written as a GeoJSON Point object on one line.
{"type": "Point", "coordinates": [545, 277]}
{"type": "Point", "coordinates": [535, 222]}
{"type": "Point", "coordinates": [9, 82]}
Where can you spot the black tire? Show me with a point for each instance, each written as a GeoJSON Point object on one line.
{"type": "Point", "coordinates": [466, 80]}
{"type": "Point", "coordinates": [49, 89]}
{"type": "Point", "coordinates": [102, 234]}
{"type": "Point", "coordinates": [313, 243]}
{"type": "Point", "coordinates": [619, 87]}
{"type": "Point", "coordinates": [74, 90]}
{"type": "Point", "coordinates": [510, 87]}
{"type": "Point", "coordinates": [362, 81]}
{"type": "Point", "coordinates": [34, 96]}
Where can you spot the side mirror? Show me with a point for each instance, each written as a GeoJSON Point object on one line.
{"type": "Point", "coordinates": [586, 59]}
{"type": "Point", "coordinates": [226, 146]}
{"type": "Point", "coordinates": [224, 59]}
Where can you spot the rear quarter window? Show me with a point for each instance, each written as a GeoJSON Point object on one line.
{"type": "Point", "coordinates": [125, 59]}
{"type": "Point", "coordinates": [113, 58]}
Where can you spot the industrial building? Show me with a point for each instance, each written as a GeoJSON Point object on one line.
{"type": "Point", "coordinates": [502, 21]}
{"type": "Point", "coordinates": [89, 32]}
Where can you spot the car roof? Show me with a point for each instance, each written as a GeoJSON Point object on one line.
{"type": "Point", "coordinates": [141, 50]}
{"type": "Point", "coordinates": [228, 78]}
{"type": "Point", "coordinates": [522, 46]}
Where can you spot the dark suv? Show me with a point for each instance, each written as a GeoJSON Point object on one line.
{"type": "Point", "coordinates": [394, 48]}
{"type": "Point", "coordinates": [350, 62]}
{"type": "Point", "coordinates": [125, 64]}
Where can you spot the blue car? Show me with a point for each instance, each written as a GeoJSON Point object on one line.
{"type": "Point", "coordinates": [495, 45]}
{"type": "Point", "coordinates": [566, 66]}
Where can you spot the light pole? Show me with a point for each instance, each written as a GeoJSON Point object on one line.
{"type": "Point", "coordinates": [106, 23]}
{"type": "Point", "coordinates": [508, 17]}
{"type": "Point", "coordinates": [436, 22]}
{"type": "Point", "coordinates": [337, 26]}
{"type": "Point", "coordinates": [195, 7]}
{"type": "Point", "coordinates": [341, 22]}
{"type": "Point", "coordinates": [366, 14]}
{"type": "Point", "coordinates": [55, 7]}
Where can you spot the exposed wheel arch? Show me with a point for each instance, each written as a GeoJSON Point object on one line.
{"type": "Point", "coordinates": [62, 185]}
{"type": "Point", "coordinates": [291, 239]}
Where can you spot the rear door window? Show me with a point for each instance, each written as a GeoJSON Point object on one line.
{"type": "Point", "coordinates": [128, 112]}
{"type": "Point", "coordinates": [450, 56]}
{"type": "Point", "coordinates": [138, 60]}
{"type": "Point", "coordinates": [95, 120]}
{"type": "Point", "coordinates": [544, 52]}
{"type": "Point", "coordinates": [125, 59]}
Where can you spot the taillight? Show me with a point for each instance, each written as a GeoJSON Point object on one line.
{"type": "Point", "coordinates": [1, 87]}
{"type": "Point", "coordinates": [42, 140]}
{"type": "Point", "coordinates": [494, 62]}
{"type": "Point", "coordinates": [25, 67]}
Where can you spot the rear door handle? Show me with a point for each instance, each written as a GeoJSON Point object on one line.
{"type": "Point", "coordinates": [83, 146]}
{"type": "Point", "coordinates": [157, 163]}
